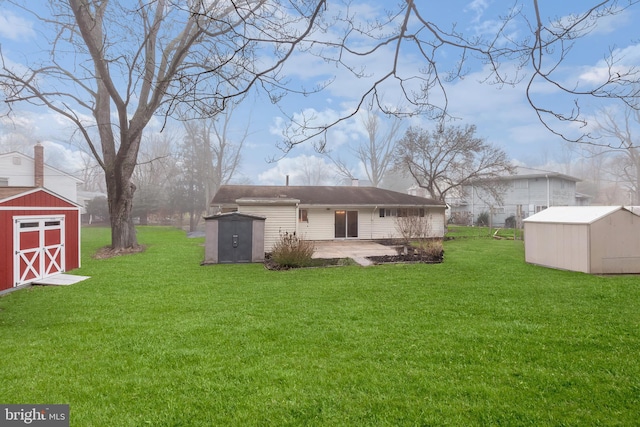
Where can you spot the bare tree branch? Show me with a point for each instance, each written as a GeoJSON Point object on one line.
{"type": "Point", "coordinates": [448, 158]}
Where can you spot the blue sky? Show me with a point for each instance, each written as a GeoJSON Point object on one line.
{"type": "Point", "coordinates": [501, 114]}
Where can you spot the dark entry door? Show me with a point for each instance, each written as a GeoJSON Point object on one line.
{"type": "Point", "coordinates": [235, 239]}
{"type": "Point", "coordinates": [346, 224]}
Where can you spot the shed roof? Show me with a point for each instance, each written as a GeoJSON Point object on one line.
{"type": "Point", "coordinates": [8, 194]}
{"type": "Point", "coordinates": [234, 215]}
{"type": "Point", "coordinates": [574, 214]}
{"type": "Point", "coordinates": [318, 195]}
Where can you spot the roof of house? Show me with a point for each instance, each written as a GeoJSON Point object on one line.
{"type": "Point", "coordinates": [575, 214]}
{"type": "Point", "coordinates": [317, 195]}
{"type": "Point", "coordinates": [524, 172]}
{"type": "Point", "coordinates": [521, 172]}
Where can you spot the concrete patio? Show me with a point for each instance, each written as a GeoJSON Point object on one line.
{"type": "Point", "coordinates": [357, 250]}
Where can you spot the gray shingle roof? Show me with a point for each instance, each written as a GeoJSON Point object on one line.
{"type": "Point", "coordinates": [319, 195]}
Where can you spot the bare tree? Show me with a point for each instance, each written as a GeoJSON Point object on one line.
{"type": "Point", "coordinates": [622, 135]}
{"type": "Point", "coordinates": [448, 158]}
{"type": "Point", "coordinates": [534, 55]}
{"type": "Point", "coordinates": [91, 174]}
{"type": "Point", "coordinates": [211, 155]}
{"type": "Point", "coordinates": [590, 168]}
{"type": "Point", "coordinates": [16, 136]}
{"type": "Point", "coordinates": [141, 58]}
{"type": "Point", "coordinates": [154, 171]}
{"type": "Point", "coordinates": [314, 171]}
{"type": "Point", "coordinates": [376, 153]}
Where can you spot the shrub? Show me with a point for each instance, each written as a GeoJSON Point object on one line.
{"type": "Point", "coordinates": [291, 251]}
{"type": "Point", "coordinates": [431, 249]}
{"type": "Point", "coordinates": [510, 222]}
{"type": "Point", "coordinates": [461, 218]}
{"type": "Point", "coordinates": [483, 219]}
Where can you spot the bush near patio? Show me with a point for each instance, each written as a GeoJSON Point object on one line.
{"type": "Point", "coordinates": [481, 339]}
{"type": "Point", "coordinates": [291, 251]}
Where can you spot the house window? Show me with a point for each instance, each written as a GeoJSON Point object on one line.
{"type": "Point", "coordinates": [4, 182]}
{"type": "Point", "coordinates": [382, 213]}
{"type": "Point", "coordinates": [303, 215]}
{"type": "Point", "coordinates": [540, 208]}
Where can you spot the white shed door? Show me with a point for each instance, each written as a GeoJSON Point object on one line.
{"type": "Point", "coordinates": [39, 248]}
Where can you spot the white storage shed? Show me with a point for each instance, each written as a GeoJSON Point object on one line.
{"type": "Point", "coordinates": [590, 239]}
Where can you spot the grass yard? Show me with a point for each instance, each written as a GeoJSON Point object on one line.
{"type": "Point", "coordinates": [482, 339]}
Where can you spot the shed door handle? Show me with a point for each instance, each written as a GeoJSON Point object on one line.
{"type": "Point", "coordinates": [235, 240]}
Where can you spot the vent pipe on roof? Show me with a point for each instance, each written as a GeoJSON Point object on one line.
{"type": "Point", "coordinates": [38, 160]}
{"type": "Point", "coordinates": [287, 181]}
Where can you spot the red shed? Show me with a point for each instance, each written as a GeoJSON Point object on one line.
{"type": "Point", "coordinates": [39, 235]}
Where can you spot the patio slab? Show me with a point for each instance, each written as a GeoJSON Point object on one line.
{"type": "Point", "coordinates": [357, 250]}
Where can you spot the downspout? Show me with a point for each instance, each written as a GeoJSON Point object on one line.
{"type": "Point", "coordinates": [548, 191]}
{"type": "Point", "coordinates": [372, 219]}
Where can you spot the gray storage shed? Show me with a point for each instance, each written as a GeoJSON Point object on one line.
{"type": "Point", "coordinates": [590, 239]}
{"type": "Point", "coordinates": [234, 237]}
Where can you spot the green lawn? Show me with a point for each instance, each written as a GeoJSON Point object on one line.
{"type": "Point", "coordinates": [482, 339]}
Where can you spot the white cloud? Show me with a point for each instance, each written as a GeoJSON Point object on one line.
{"type": "Point", "coordinates": [477, 7]}
{"type": "Point", "coordinates": [600, 26]}
{"type": "Point", "coordinates": [625, 59]}
{"type": "Point", "coordinates": [64, 158]}
{"type": "Point", "coordinates": [14, 27]}
{"type": "Point", "coordinates": [301, 170]}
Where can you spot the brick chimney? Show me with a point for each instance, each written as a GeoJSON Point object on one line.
{"type": "Point", "coordinates": [38, 160]}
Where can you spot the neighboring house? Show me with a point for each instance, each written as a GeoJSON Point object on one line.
{"type": "Point", "coordinates": [524, 193]}
{"type": "Point", "coordinates": [19, 170]}
{"type": "Point", "coordinates": [590, 239]}
{"type": "Point", "coordinates": [327, 213]}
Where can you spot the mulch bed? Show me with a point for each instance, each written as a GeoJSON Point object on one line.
{"type": "Point", "coordinates": [270, 264]}
{"type": "Point", "coordinates": [412, 257]}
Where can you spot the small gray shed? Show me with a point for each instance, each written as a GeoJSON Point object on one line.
{"type": "Point", "coordinates": [590, 239]}
{"type": "Point", "coordinates": [234, 237]}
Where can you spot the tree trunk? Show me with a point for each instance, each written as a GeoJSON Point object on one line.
{"type": "Point", "coordinates": [123, 232]}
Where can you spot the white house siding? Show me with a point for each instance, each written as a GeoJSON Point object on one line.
{"type": "Point", "coordinates": [280, 219]}
{"type": "Point", "coordinates": [321, 223]}
{"type": "Point", "coordinates": [531, 193]}
{"type": "Point", "coordinates": [19, 172]}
